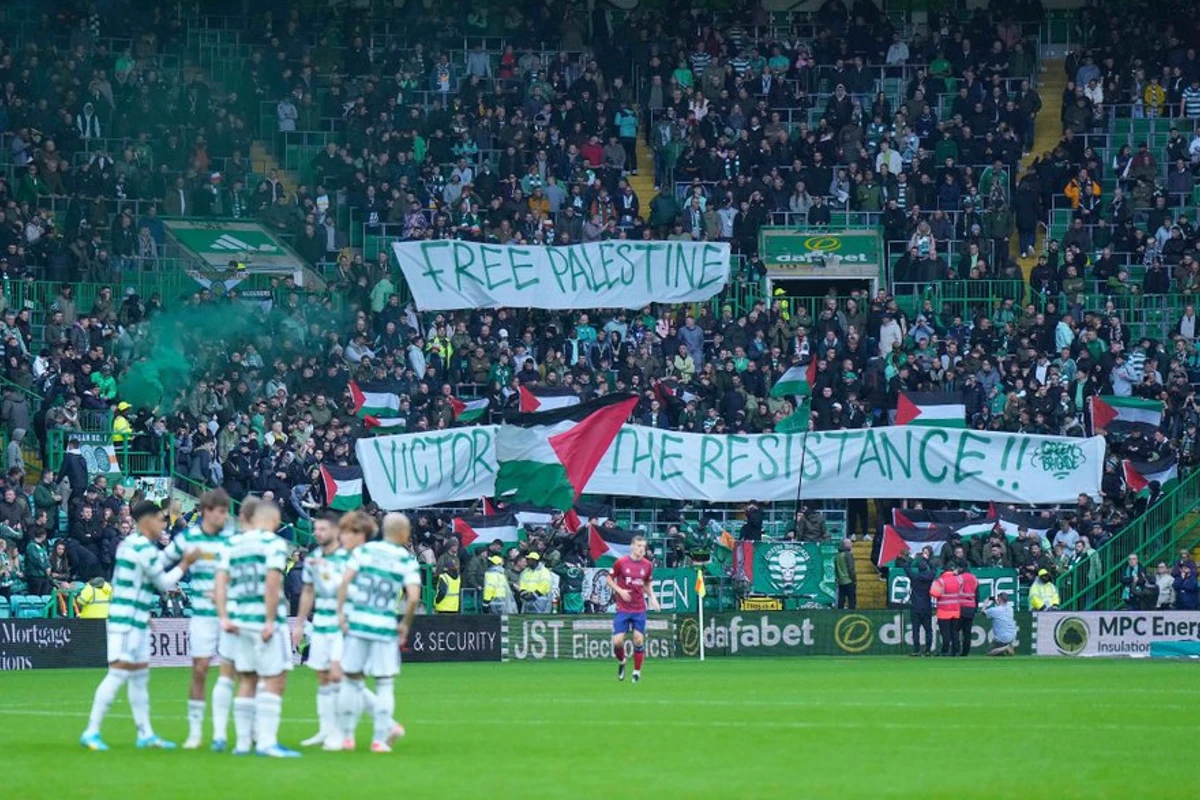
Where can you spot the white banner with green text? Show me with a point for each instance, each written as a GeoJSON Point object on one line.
{"type": "Point", "coordinates": [447, 274]}
{"type": "Point", "coordinates": [411, 470]}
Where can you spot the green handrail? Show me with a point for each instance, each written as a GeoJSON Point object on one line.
{"type": "Point", "coordinates": [130, 462]}
{"type": "Point", "coordinates": [1153, 536]}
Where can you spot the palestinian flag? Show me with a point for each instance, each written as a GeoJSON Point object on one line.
{"type": "Point", "coordinates": [374, 400]}
{"type": "Point", "coordinates": [895, 539]}
{"type": "Point", "coordinates": [933, 409]}
{"type": "Point", "coordinates": [668, 391]}
{"type": "Point", "coordinates": [1138, 474]}
{"type": "Point", "coordinates": [796, 381]}
{"type": "Point", "coordinates": [372, 423]}
{"type": "Point", "coordinates": [483, 530]}
{"type": "Point", "coordinates": [1120, 415]}
{"type": "Point", "coordinates": [608, 544]}
{"type": "Point", "coordinates": [468, 410]}
{"type": "Point", "coordinates": [1011, 520]}
{"type": "Point", "coordinates": [935, 535]}
{"type": "Point", "coordinates": [588, 514]}
{"type": "Point", "coordinates": [546, 398]}
{"type": "Point", "coordinates": [548, 458]}
{"type": "Point", "coordinates": [343, 487]}
{"type": "Point", "coordinates": [530, 516]}
{"type": "Point", "coordinates": [924, 518]}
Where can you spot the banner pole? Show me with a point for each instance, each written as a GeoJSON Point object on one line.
{"type": "Point", "coordinates": [800, 474]}
{"type": "Point", "coordinates": [701, 605]}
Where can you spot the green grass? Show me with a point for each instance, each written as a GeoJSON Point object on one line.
{"type": "Point", "coordinates": [728, 728]}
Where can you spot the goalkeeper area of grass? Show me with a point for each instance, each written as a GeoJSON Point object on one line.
{"type": "Point", "coordinates": [873, 727]}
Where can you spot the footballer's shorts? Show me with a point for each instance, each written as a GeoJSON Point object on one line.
{"type": "Point", "coordinates": [206, 639]}
{"type": "Point", "coordinates": [625, 620]}
{"type": "Point", "coordinates": [265, 659]}
{"type": "Point", "coordinates": [324, 650]}
{"type": "Point", "coordinates": [131, 645]}
{"type": "Point", "coordinates": [375, 659]}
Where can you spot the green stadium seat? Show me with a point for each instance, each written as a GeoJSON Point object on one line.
{"type": "Point", "coordinates": [5, 613]}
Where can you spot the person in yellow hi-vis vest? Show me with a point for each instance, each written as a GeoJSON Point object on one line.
{"type": "Point", "coordinates": [535, 586]}
{"type": "Point", "coordinates": [93, 599]}
{"type": "Point", "coordinates": [449, 589]}
{"type": "Point", "coordinates": [497, 599]}
{"type": "Point", "coordinates": [121, 427]}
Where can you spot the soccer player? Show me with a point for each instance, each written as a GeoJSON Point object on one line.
{"type": "Point", "coordinates": [322, 576]}
{"type": "Point", "coordinates": [210, 536]}
{"type": "Point", "coordinates": [366, 607]}
{"type": "Point", "coordinates": [222, 697]}
{"type": "Point", "coordinates": [138, 573]}
{"type": "Point", "coordinates": [630, 582]}
{"type": "Point", "coordinates": [250, 577]}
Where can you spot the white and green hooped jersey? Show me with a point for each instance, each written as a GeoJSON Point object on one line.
{"type": "Point", "coordinates": [248, 558]}
{"type": "Point", "coordinates": [324, 574]}
{"type": "Point", "coordinates": [138, 576]}
{"type": "Point", "coordinates": [382, 571]}
{"type": "Point", "coordinates": [202, 577]}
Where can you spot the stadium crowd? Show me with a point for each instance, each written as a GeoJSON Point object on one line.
{"type": "Point", "coordinates": [539, 145]}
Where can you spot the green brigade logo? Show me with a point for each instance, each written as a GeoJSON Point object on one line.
{"type": "Point", "coordinates": [853, 633]}
{"type": "Point", "coordinates": [689, 637]}
{"type": "Point", "coordinates": [1060, 460]}
{"type": "Point", "coordinates": [1071, 636]}
{"type": "Point", "coordinates": [788, 567]}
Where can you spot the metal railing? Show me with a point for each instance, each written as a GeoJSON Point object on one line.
{"type": "Point", "coordinates": [1153, 536]}
{"type": "Point", "coordinates": [129, 461]}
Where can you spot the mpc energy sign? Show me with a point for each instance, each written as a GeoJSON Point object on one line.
{"type": "Point", "coordinates": [1114, 633]}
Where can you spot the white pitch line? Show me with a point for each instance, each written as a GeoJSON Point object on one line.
{"type": "Point", "coordinates": [735, 724]}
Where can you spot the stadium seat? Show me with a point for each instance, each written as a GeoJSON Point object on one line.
{"type": "Point", "coordinates": [29, 606]}
{"type": "Point", "coordinates": [4, 609]}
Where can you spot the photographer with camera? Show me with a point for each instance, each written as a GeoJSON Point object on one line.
{"type": "Point", "coordinates": [1004, 625]}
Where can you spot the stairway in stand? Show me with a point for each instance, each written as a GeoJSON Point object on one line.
{"type": "Point", "coordinates": [872, 592]}
{"type": "Point", "coordinates": [643, 182]}
{"type": "Point", "coordinates": [261, 159]}
{"type": "Point", "coordinates": [1047, 131]}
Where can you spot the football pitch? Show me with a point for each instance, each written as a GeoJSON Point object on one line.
{"type": "Point", "coordinates": [726, 728]}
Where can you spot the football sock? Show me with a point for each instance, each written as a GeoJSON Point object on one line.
{"type": "Point", "coordinates": [350, 705]}
{"type": "Point", "coordinates": [106, 692]}
{"type": "Point", "coordinates": [619, 652]}
{"type": "Point", "coordinates": [368, 701]}
{"type": "Point", "coordinates": [222, 701]}
{"type": "Point", "coordinates": [639, 655]}
{"type": "Point", "coordinates": [195, 716]}
{"type": "Point", "coordinates": [268, 708]}
{"type": "Point", "coordinates": [139, 700]}
{"type": "Point", "coordinates": [327, 708]}
{"type": "Point", "coordinates": [243, 722]}
{"type": "Point", "coordinates": [385, 704]}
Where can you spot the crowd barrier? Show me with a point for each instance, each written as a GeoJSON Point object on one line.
{"type": "Point", "coordinates": [75, 643]}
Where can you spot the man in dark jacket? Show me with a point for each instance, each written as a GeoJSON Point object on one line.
{"type": "Point", "coordinates": [74, 469]}
{"type": "Point", "coordinates": [921, 576]}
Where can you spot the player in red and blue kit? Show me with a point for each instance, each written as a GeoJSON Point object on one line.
{"type": "Point", "coordinates": [630, 582]}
